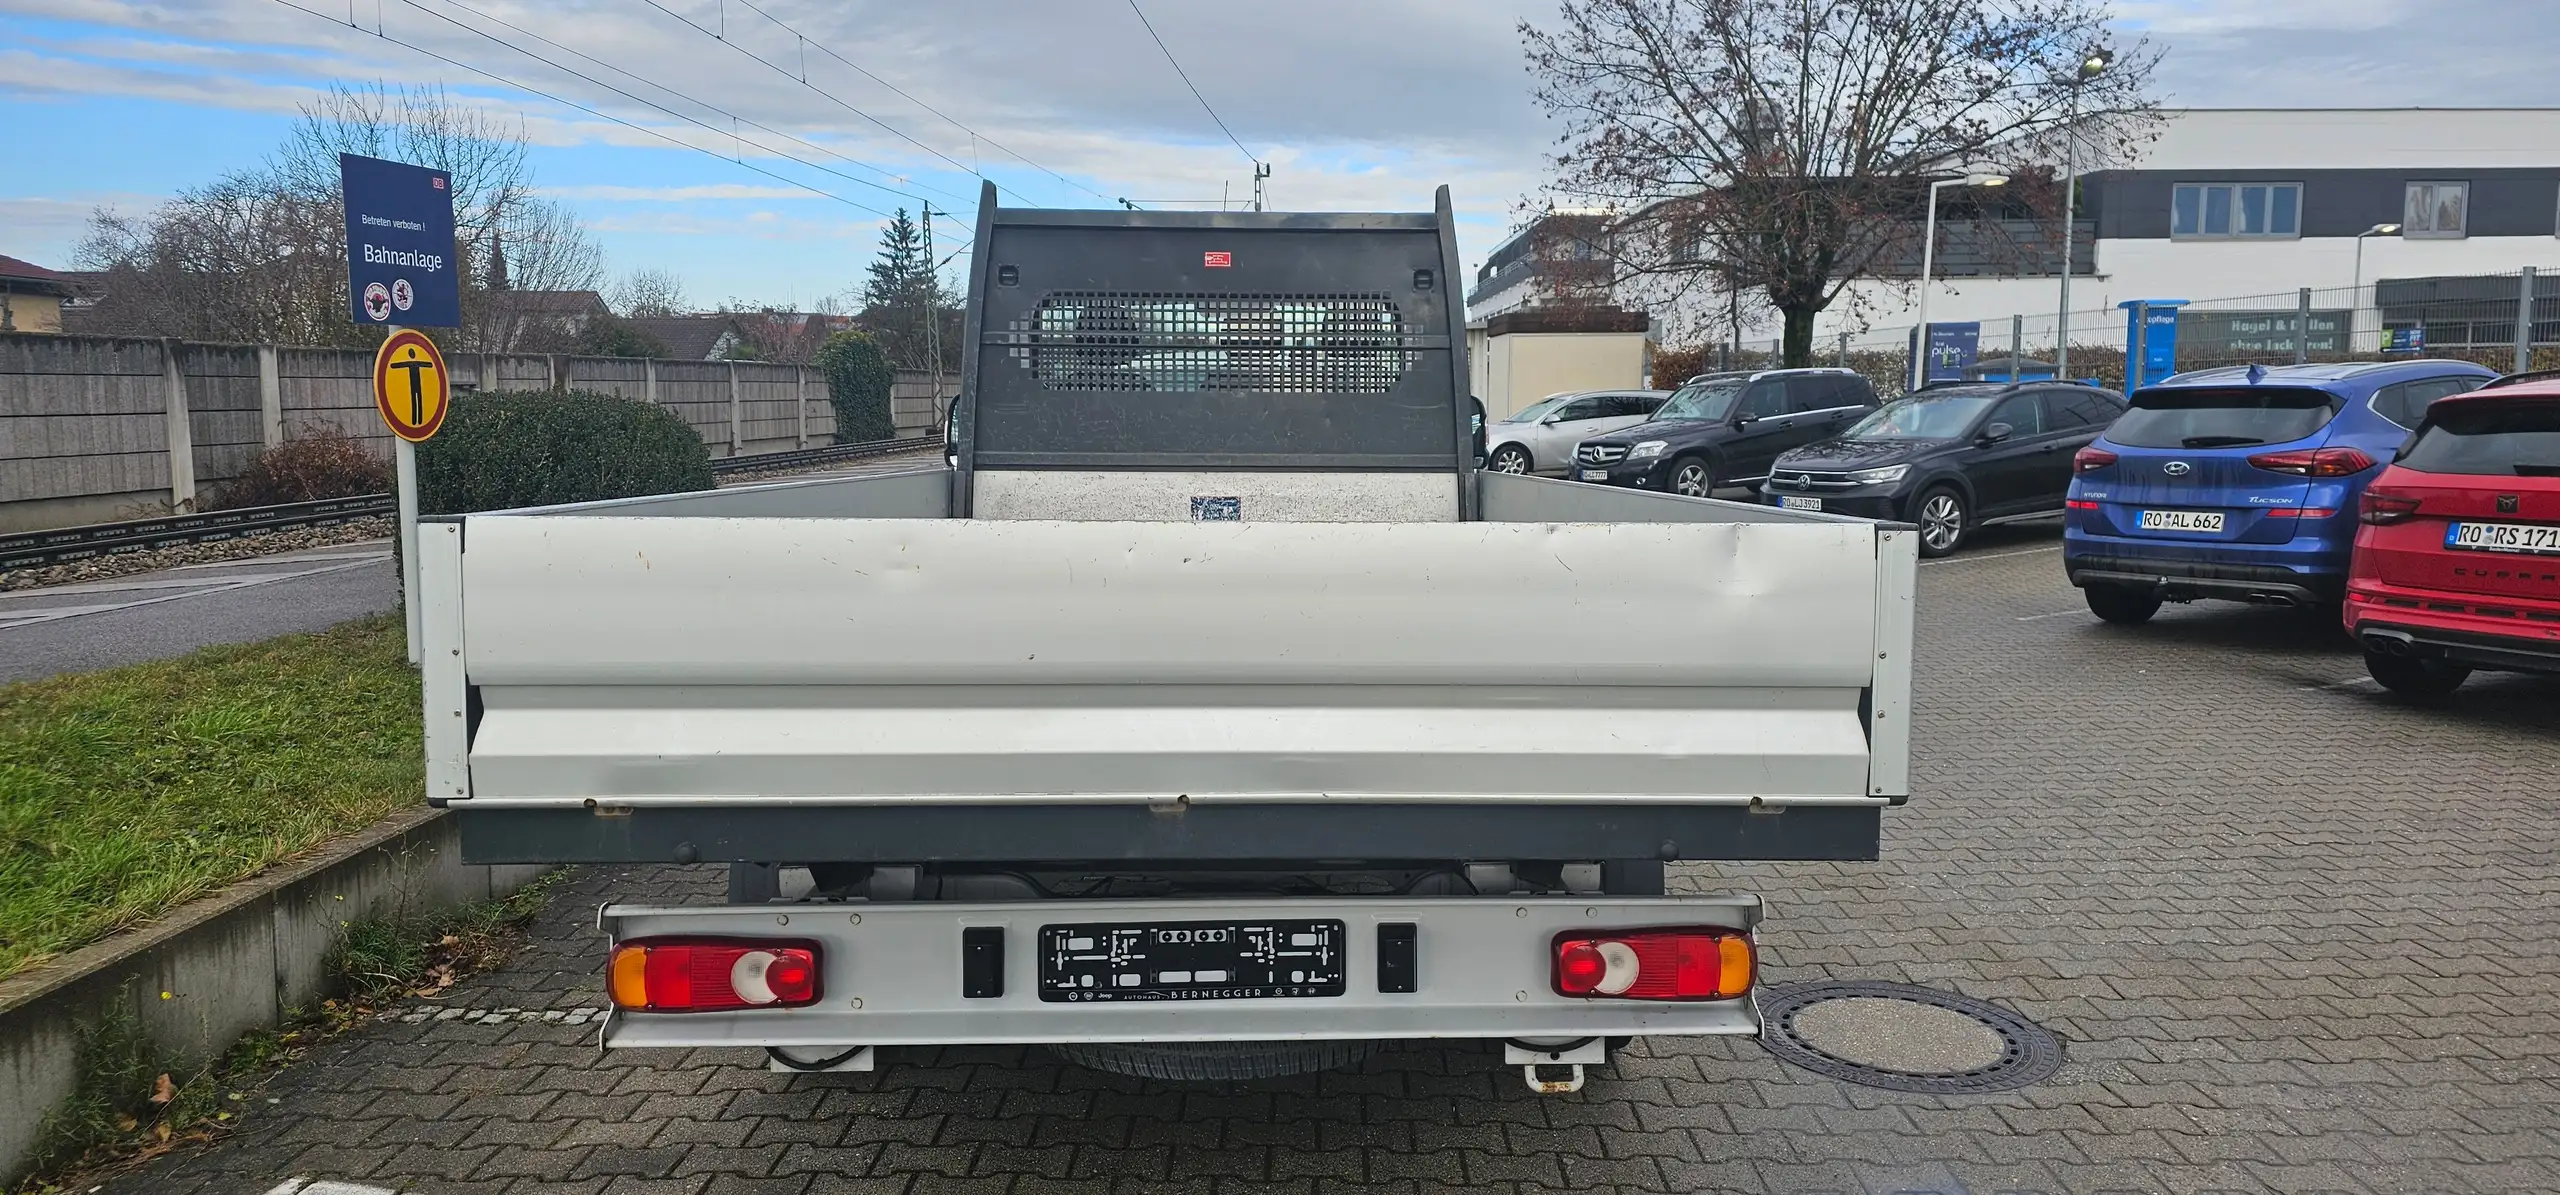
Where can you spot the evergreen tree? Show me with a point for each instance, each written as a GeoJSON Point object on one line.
{"type": "Point", "coordinates": [903, 296]}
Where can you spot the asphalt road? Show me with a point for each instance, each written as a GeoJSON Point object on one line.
{"type": "Point", "coordinates": [149, 616]}
{"type": "Point", "coordinates": [2297, 935]}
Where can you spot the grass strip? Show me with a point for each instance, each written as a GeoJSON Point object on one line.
{"type": "Point", "coordinates": [128, 792]}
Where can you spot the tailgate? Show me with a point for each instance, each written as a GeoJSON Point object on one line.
{"type": "Point", "coordinates": [934, 666]}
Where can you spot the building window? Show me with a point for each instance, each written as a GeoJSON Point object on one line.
{"type": "Point", "coordinates": [2436, 210]}
{"type": "Point", "coordinates": [2216, 211]}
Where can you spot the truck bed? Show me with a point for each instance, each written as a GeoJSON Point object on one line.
{"type": "Point", "coordinates": [832, 670]}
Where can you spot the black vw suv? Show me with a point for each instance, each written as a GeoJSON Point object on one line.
{"type": "Point", "coordinates": [1725, 430]}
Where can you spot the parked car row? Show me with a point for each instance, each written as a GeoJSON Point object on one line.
{"type": "Point", "coordinates": [2418, 502]}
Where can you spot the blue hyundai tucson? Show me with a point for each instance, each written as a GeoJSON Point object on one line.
{"type": "Point", "coordinates": [2240, 483]}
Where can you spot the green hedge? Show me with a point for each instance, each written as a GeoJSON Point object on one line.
{"type": "Point", "coordinates": [858, 380]}
{"type": "Point", "coordinates": [505, 449]}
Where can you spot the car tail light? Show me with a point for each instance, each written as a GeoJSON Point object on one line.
{"type": "Point", "coordinates": [2301, 512]}
{"type": "Point", "coordinates": [1663, 964]}
{"type": "Point", "coordinates": [2314, 462]}
{"type": "Point", "coordinates": [2092, 457]}
{"type": "Point", "coordinates": [2078, 504]}
{"type": "Point", "coordinates": [713, 974]}
{"type": "Point", "coordinates": [2382, 508]}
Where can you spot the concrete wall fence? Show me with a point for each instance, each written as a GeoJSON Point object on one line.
{"type": "Point", "coordinates": [95, 429]}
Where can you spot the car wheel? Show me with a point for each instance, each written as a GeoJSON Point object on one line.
{"type": "Point", "coordinates": [1691, 477]}
{"type": "Point", "coordinates": [2412, 677]}
{"type": "Point", "coordinates": [2123, 605]}
{"type": "Point", "coordinates": [1942, 519]}
{"type": "Point", "coordinates": [1510, 458]}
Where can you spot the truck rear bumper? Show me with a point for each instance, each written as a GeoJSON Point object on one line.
{"type": "Point", "coordinates": [1225, 831]}
{"type": "Point", "coordinates": [891, 974]}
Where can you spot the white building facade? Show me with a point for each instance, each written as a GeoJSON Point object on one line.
{"type": "Point", "coordinates": [2243, 208]}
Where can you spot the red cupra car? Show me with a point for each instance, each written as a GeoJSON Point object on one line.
{"type": "Point", "coordinates": [2457, 564]}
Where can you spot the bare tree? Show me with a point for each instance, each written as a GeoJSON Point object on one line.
{"type": "Point", "coordinates": [650, 294]}
{"type": "Point", "coordinates": [1777, 145]}
{"type": "Point", "coordinates": [484, 152]}
{"type": "Point", "coordinates": [537, 250]}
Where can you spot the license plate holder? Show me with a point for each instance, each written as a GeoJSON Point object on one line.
{"type": "Point", "coordinates": [1116, 962]}
{"type": "Point", "coordinates": [2529, 539]}
{"type": "Point", "coordinates": [1793, 502]}
{"type": "Point", "coordinates": [2199, 522]}
{"type": "Point", "coordinates": [1595, 475]}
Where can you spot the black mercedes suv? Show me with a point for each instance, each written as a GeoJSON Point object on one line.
{"type": "Point", "coordinates": [1725, 431]}
{"type": "Point", "coordinates": [1950, 458]}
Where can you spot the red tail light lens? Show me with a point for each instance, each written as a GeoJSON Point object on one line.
{"type": "Point", "coordinates": [2301, 512]}
{"type": "Point", "coordinates": [1667, 964]}
{"type": "Point", "coordinates": [2314, 462]}
{"type": "Point", "coordinates": [2079, 504]}
{"type": "Point", "coordinates": [2382, 508]}
{"type": "Point", "coordinates": [713, 975]}
{"type": "Point", "coordinates": [2092, 457]}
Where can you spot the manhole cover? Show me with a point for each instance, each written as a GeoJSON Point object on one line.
{"type": "Point", "coordinates": [1902, 1037]}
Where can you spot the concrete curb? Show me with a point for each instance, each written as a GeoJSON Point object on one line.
{"type": "Point", "coordinates": [240, 959]}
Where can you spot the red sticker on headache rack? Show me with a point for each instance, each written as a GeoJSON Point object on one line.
{"type": "Point", "coordinates": [1215, 260]}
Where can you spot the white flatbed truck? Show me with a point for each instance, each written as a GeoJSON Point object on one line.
{"type": "Point", "coordinates": [1188, 721]}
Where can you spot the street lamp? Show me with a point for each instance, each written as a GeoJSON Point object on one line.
{"type": "Point", "coordinates": [2355, 293]}
{"type": "Point", "coordinates": [2092, 64]}
{"type": "Point", "coordinates": [1928, 261]}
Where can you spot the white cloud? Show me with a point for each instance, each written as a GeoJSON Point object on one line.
{"type": "Point", "coordinates": [675, 194]}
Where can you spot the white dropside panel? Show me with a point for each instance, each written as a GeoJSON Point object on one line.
{"type": "Point", "coordinates": [1166, 497]}
{"type": "Point", "coordinates": [812, 660]}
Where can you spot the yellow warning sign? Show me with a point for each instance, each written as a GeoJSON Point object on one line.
{"type": "Point", "coordinates": [410, 386]}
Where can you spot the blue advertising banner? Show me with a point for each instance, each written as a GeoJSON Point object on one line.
{"type": "Point", "coordinates": [1950, 349]}
{"type": "Point", "coordinates": [2150, 332]}
{"type": "Point", "coordinates": [2405, 340]}
{"type": "Point", "coordinates": [400, 258]}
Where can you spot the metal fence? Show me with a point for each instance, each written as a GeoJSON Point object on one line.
{"type": "Point", "coordinates": [2507, 321]}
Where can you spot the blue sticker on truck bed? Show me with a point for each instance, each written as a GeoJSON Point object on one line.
{"type": "Point", "coordinates": [1217, 510]}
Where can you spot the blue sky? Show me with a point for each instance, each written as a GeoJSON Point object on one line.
{"type": "Point", "coordinates": [1358, 103]}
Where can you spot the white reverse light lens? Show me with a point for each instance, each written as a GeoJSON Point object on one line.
{"type": "Point", "coordinates": [1622, 968]}
{"type": "Point", "coordinates": [746, 977]}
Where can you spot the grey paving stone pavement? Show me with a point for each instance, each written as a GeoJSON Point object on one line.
{"type": "Point", "coordinates": [2298, 935]}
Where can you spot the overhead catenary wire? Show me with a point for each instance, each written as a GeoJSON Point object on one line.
{"type": "Point", "coordinates": [565, 102]}
{"type": "Point", "coordinates": [823, 93]}
{"type": "Point", "coordinates": [734, 119]}
{"type": "Point", "coordinates": [806, 42]}
{"type": "Point", "coordinates": [1186, 81]}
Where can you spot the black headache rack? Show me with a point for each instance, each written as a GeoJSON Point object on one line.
{"type": "Point", "coordinates": [1237, 341]}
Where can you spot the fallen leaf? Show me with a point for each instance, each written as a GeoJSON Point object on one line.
{"type": "Point", "coordinates": [161, 1130]}
{"type": "Point", "coordinates": [127, 1124]}
{"type": "Point", "coordinates": [448, 940]}
{"type": "Point", "coordinates": [162, 1090]}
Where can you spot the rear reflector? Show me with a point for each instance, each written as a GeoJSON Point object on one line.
{"type": "Point", "coordinates": [713, 974]}
{"type": "Point", "coordinates": [2301, 512]}
{"type": "Point", "coordinates": [2079, 504]}
{"type": "Point", "coordinates": [2314, 462]}
{"type": "Point", "coordinates": [2092, 457]}
{"type": "Point", "coordinates": [1666, 964]}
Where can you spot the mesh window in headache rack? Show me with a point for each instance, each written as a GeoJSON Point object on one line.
{"type": "Point", "coordinates": [1186, 343]}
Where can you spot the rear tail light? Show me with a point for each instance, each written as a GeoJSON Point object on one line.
{"type": "Point", "coordinates": [2314, 462]}
{"type": "Point", "coordinates": [1663, 964]}
{"type": "Point", "coordinates": [2301, 512]}
{"type": "Point", "coordinates": [713, 974]}
{"type": "Point", "coordinates": [2092, 457]}
{"type": "Point", "coordinates": [2382, 508]}
{"type": "Point", "coordinates": [2079, 504]}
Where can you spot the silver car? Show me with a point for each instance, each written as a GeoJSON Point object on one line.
{"type": "Point", "coordinates": [1540, 438]}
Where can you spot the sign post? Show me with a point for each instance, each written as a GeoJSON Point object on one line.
{"type": "Point", "coordinates": [403, 274]}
